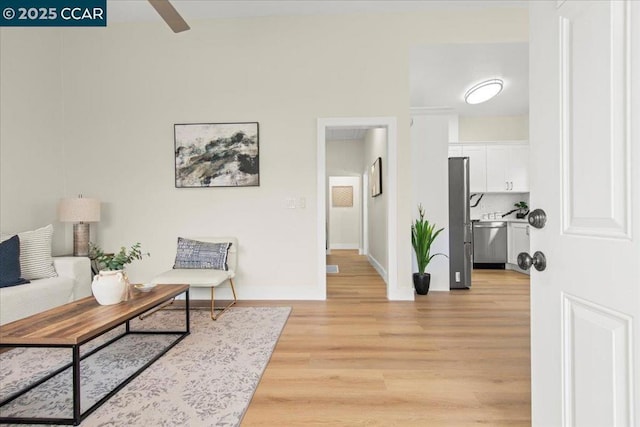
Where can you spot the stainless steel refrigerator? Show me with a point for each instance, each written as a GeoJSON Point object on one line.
{"type": "Point", "coordinates": [460, 231]}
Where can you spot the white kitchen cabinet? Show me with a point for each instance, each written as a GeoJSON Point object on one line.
{"type": "Point", "coordinates": [495, 168]}
{"type": "Point", "coordinates": [519, 168]}
{"type": "Point", "coordinates": [497, 161]}
{"type": "Point", "coordinates": [507, 168]}
{"type": "Point", "coordinates": [477, 167]}
{"type": "Point", "coordinates": [517, 240]}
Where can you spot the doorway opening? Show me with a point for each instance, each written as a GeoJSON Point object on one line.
{"type": "Point", "coordinates": [385, 207]}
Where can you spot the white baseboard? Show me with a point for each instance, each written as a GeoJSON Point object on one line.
{"type": "Point", "coordinates": [406, 293]}
{"type": "Point", "coordinates": [381, 271]}
{"type": "Point", "coordinates": [514, 267]}
{"type": "Point", "coordinates": [259, 293]}
{"type": "Point", "coordinates": [344, 246]}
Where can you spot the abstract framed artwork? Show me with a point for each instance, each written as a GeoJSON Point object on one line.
{"type": "Point", "coordinates": [217, 155]}
{"type": "Point", "coordinates": [375, 178]}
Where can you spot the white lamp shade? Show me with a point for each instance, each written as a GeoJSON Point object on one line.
{"type": "Point", "coordinates": [79, 210]}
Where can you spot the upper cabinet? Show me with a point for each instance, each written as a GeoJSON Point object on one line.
{"type": "Point", "coordinates": [507, 168]}
{"type": "Point", "coordinates": [496, 167]}
{"type": "Point", "coordinates": [477, 167]}
{"type": "Point", "coordinates": [518, 174]}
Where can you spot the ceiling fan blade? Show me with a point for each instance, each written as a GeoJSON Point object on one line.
{"type": "Point", "coordinates": [170, 15]}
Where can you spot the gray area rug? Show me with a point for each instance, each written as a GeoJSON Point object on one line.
{"type": "Point", "coordinates": [208, 379]}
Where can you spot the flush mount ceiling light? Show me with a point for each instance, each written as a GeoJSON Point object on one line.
{"type": "Point", "coordinates": [483, 92]}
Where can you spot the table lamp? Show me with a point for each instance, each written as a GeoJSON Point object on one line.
{"type": "Point", "coordinates": [81, 211]}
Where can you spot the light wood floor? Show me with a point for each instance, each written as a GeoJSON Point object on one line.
{"type": "Point", "coordinates": [450, 358]}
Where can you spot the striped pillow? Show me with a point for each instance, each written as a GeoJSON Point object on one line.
{"type": "Point", "coordinates": [35, 253]}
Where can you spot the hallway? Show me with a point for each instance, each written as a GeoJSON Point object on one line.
{"type": "Point", "coordinates": [356, 277]}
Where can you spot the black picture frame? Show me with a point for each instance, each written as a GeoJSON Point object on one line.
{"type": "Point", "coordinates": [217, 154]}
{"type": "Point", "coordinates": [375, 178]}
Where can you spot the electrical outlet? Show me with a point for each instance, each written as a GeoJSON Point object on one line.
{"type": "Point", "coordinates": [457, 276]}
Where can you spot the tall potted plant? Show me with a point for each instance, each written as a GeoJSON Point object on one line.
{"type": "Point", "coordinates": [422, 236]}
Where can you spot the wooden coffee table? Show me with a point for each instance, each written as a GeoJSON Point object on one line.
{"type": "Point", "coordinates": [74, 324]}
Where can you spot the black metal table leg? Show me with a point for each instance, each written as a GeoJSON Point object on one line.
{"type": "Point", "coordinates": [76, 385]}
{"type": "Point", "coordinates": [187, 311]}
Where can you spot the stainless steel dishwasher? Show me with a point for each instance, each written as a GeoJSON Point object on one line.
{"type": "Point", "coordinates": [489, 244]}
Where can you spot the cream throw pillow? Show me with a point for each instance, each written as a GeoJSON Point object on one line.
{"type": "Point", "coordinates": [35, 253]}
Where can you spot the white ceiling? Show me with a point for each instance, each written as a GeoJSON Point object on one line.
{"type": "Point", "coordinates": [140, 10]}
{"type": "Point", "coordinates": [345, 134]}
{"type": "Point", "coordinates": [439, 74]}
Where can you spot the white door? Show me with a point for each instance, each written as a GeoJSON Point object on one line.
{"type": "Point", "coordinates": [455, 151]}
{"type": "Point", "coordinates": [585, 157]}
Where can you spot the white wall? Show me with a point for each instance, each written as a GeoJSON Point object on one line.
{"type": "Point", "coordinates": [493, 128]}
{"type": "Point", "coordinates": [120, 90]}
{"type": "Point", "coordinates": [32, 163]}
{"type": "Point", "coordinates": [344, 230]}
{"type": "Point", "coordinates": [430, 187]}
{"type": "Point", "coordinates": [375, 145]}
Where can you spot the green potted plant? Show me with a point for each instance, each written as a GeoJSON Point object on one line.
{"type": "Point", "coordinates": [110, 285]}
{"type": "Point", "coordinates": [422, 236]}
{"type": "Point", "coordinates": [117, 261]}
{"type": "Point", "coordinates": [523, 209]}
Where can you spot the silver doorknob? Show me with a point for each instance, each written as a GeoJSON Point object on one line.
{"type": "Point", "coordinates": [538, 260]}
{"type": "Point", "coordinates": [538, 218]}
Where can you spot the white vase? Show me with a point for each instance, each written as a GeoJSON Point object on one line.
{"type": "Point", "coordinates": [108, 287]}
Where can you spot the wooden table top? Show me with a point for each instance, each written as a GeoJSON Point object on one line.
{"type": "Point", "coordinates": [82, 320]}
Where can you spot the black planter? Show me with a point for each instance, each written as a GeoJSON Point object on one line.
{"type": "Point", "coordinates": [421, 282]}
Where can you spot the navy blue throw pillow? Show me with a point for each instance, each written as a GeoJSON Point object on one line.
{"type": "Point", "coordinates": [10, 263]}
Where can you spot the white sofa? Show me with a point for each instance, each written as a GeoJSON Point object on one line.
{"type": "Point", "coordinates": [73, 282]}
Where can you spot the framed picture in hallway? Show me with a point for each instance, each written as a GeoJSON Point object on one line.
{"type": "Point", "coordinates": [216, 155]}
{"type": "Point", "coordinates": [375, 178]}
{"type": "Point", "coordinates": [342, 196]}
